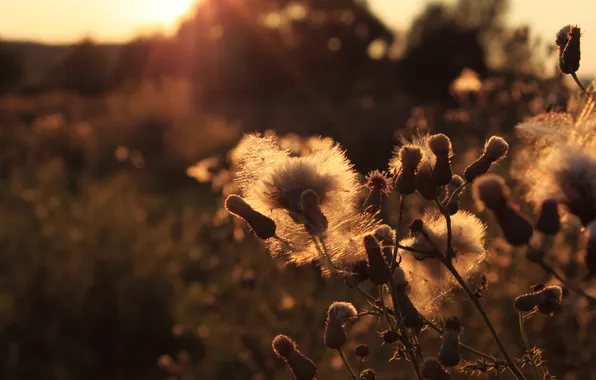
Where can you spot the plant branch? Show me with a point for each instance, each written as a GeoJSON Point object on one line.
{"type": "Point", "coordinates": [400, 219]}
{"type": "Point", "coordinates": [527, 344]}
{"type": "Point", "coordinates": [567, 283]}
{"type": "Point", "coordinates": [346, 364]}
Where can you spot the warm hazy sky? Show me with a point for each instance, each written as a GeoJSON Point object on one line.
{"type": "Point", "coordinates": [117, 20]}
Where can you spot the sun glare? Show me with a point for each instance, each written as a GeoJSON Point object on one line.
{"type": "Point", "coordinates": [167, 12]}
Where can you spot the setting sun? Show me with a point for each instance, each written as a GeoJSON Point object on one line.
{"type": "Point", "coordinates": [167, 12]}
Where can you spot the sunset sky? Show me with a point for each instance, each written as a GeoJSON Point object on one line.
{"type": "Point", "coordinates": [118, 20]}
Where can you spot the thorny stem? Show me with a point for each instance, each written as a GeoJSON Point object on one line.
{"type": "Point", "coordinates": [576, 79]}
{"type": "Point", "coordinates": [567, 283]}
{"type": "Point", "coordinates": [464, 346]}
{"type": "Point", "coordinates": [402, 327]}
{"type": "Point", "coordinates": [346, 364]}
{"type": "Point", "coordinates": [476, 302]}
{"type": "Point", "coordinates": [527, 343]}
{"type": "Point", "coordinates": [400, 218]}
{"type": "Point", "coordinates": [382, 299]}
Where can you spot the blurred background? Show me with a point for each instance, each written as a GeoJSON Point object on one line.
{"type": "Point", "coordinates": [117, 261]}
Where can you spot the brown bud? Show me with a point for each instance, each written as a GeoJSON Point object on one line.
{"type": "Point", "coordinates": [453, 206]}
{"type": "Point", "coordinates": [431, 369]}
{"type": "Point", "coordinates": [552, 297]}
{"type": "Point", "coordinates": [302, 367]}
{"type": "Point", "coordinates": [549, 222]}
{"type": "Point", "coordinates": [315, 221]}
{"type": "Point", "coordinates": [568, 40]}
{"type": "Point", "coordinates": [410, 157]}
{"type": "Point", "coordinates": [527, 302]}
{"type": "Point", "coordinates": [425, 185]}
{"type": "Point", "coordinates": [367, 374]}
{"type": "Point", "coordinates": [261, 225]}
{"type": "Point", "coordinates": [335, 336]}
{"type": "Point", "coordinates": [362, 351]}
{"type": "Point", "coordinates": [440, 145]}
{"type": "Point", "coordinates": [450, 355]}
{"type": "Point", "coordinates": [494, 149]}
{"type": "Point", "coordinates": [389, 336]}
{"type": "Point", "coordinates": [378, 268]}
{"type": "Point", "coordinates": [378, 185]}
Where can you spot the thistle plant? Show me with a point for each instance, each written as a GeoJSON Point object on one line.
{"type": "Point", "coordinates": [308, 208]}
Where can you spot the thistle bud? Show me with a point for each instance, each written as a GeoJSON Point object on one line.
{"type": "Point", "coordinates": [492, 192]}
{"type": "Point", "coordinates": [362, 351]}
{"type": "Point", "coordinates": [495, 149]}
{"type": "Point", "coordinates": [389, 336]}
{"type": "Point", "coordinates": [546, 299]}
{"type": "Point", "coordinates": [590, 254]}
{"type": "Point", "coordinates": [261, 225]}
{"type": "Point", "coordinates": [337, 316]}
{"type": "Point", "coordinates": [440, 145]}
{"type": "Point", "coordinates": [378, 268]}
{"type": "Point", "coordinates": [431, 369]}
{"type": "Point", "coordinates": [367, 374]}
{"type": "Point", "coordinates": [302, 367]}
{"type": "Point", "coordinates": [361, 269]}
{"type": "Point", "coordinates": [569, 48]}
{"type": "Point", "coordinates": [378, 185]}
{"type": "Point", "coordinates": [549, 221]}
{"type": "Point", "coordinates": [315, 221]}
{"type": "Point", "coordinates": [425, 184]}
{"type": "Point", "coordinates": [450, 355]}
{"type": "Point", "coordinates": [417, 226]}
{"type": "Point", "coordinates": [410, 156]}
{"type": "Point", "coordinates": [453, 206]}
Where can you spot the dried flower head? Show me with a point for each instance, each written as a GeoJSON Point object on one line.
{"type": "Point", "coordinates": [378, 185]}
{"type": "Point", "coordinates": [495, 149]}
{"type": "Point", "coordinates": [302, 367]}
{"type": "Point", "coordinates": [432, 369]}
{"type": "Point", "coordinates": [440, 145]}
{"type": "Point", "coordinates": [341, 312]}
{"type": "Point", "coordinates": [367, 374]}
{"type": "Point", "coordinates": [449, 354]}
{"type": "Point", "coordinates": [429, 280]}
{"type": "Point", "coordinates": [546, 299]}
{"type": "Point", "coordinates": [549, 221]}
{"type": "Point", "coordinates": [378, 268]}
{"type": "Point", "coordinates": [272, 182]}
{"type": "Point", "coordinates": [451, 196]}
{"type": "Point", "coordinates": [568, 41]}
{"type": "Point", "coordinates": [491, 191]}
{"type": "Point", "coordinates": [389, 336]}
{"type": "Point", "coordinates": [262, 226]}
{"type": "Point", "coordinates": [362, 351]}
{"type": "Point", "coordinates": [404, 166]}
{"type": "Point", "coordinates": [385, 234]}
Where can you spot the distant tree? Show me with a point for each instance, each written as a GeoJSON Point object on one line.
{"type": "Point", "coordinates": [84, 70]}
{"type": "Point", "coordinates": [132, 61]}
{"type": "Point", "coordinates": [12, 68]}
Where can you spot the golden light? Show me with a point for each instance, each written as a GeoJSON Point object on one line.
{"type": "Point", "coordinates": [167, 12]}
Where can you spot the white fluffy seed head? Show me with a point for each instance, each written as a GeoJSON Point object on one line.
{"type": "Point", "coordinates": [340, 312]}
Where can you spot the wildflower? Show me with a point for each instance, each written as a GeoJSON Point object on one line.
{"type": "Point", "coordinates": [569, 48]}
{"type": "Point", "coordinates": [440, 145]}
{"type": "Point", "coordinates": [378, 185]}
{"type": "Point", "coordinates": [262, 226]}
{"type": "Point", "coordinates": [362, 351]}
{"type": "Point", "coordinates": [492, 192]}
{"type": "Point", "coordinates": [301, 366]}
{"type": "Point", "coordinates": [495, 149]}
{"type": "Point", "coordinates": [378, 268]}
{"type": "Point", "coordinates": [455, 184]}
{"type": "Point", "coordinates": [546, 299]}
{"type": "Point", "coordinates": [430, 280]}
{"type": "Point", "coordinates": [549, 222]}
{"type": "Point", "coordinates": [404, 166]}
{"type": "Point", "coordinates": [337, 316]}
{"type": "Point", "coordinates": [315, 221]}
{"type": "Point", "coordinates": [367, 374]}
{"type": "Point", "coordinates": [450, 355]}
{"type": "Point", "coordinates": [431, 369]}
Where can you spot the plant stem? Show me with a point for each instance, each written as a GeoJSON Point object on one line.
{"type": "Point", "coordinates": [400, 219]}
{"type": "Point", "coordinates": [576, 79]}
{"type": "Point", "coordinates": [567, 283]}
{"type": "Point", "coordinates": [456, 193]}
{"type": "Point", "coordinates": [403, 329]}
{"type": "Point", "coordinates": [445, 212]}
{"type": "Point", "coordinates": [527, 343]}
{"type": "Point", "coordinates": [346, 364]}
{"type": "Point", "coordinates": [480, 308]}
{"type": "Point", "coordinates": [464, 346]}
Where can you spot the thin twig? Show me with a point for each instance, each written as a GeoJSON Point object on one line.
{"type": "Point", "coordinates": [567, 283]}
{"type": "Point", "coordinates": [576, 79]}
{"type": "Point", "coordinates": [400, 218]}
{"type": "Point", "coordinates": [445, 212]}
{"type": "Point", "coordinates": [527, 343]}
{"type": "Point", "coordinates": [346, 364]}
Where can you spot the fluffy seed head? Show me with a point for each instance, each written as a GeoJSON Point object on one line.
{"type": "Point", "coordinates": [496, 148]}
{"type": "Point", "coordinates": [410, 156]}
{"type": "Point", "coordinates": [385, 234]}
{"type": "Point", "coordinates": [491, 191]}
{"type": "Point", "coordinates": [341, 312]}
{"type": "Point", "coordinates": [377, 180]}
{"type": "Point", "coordinates": [440, 145]}
{"type": "Point", "coordinates": [283, 346]}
